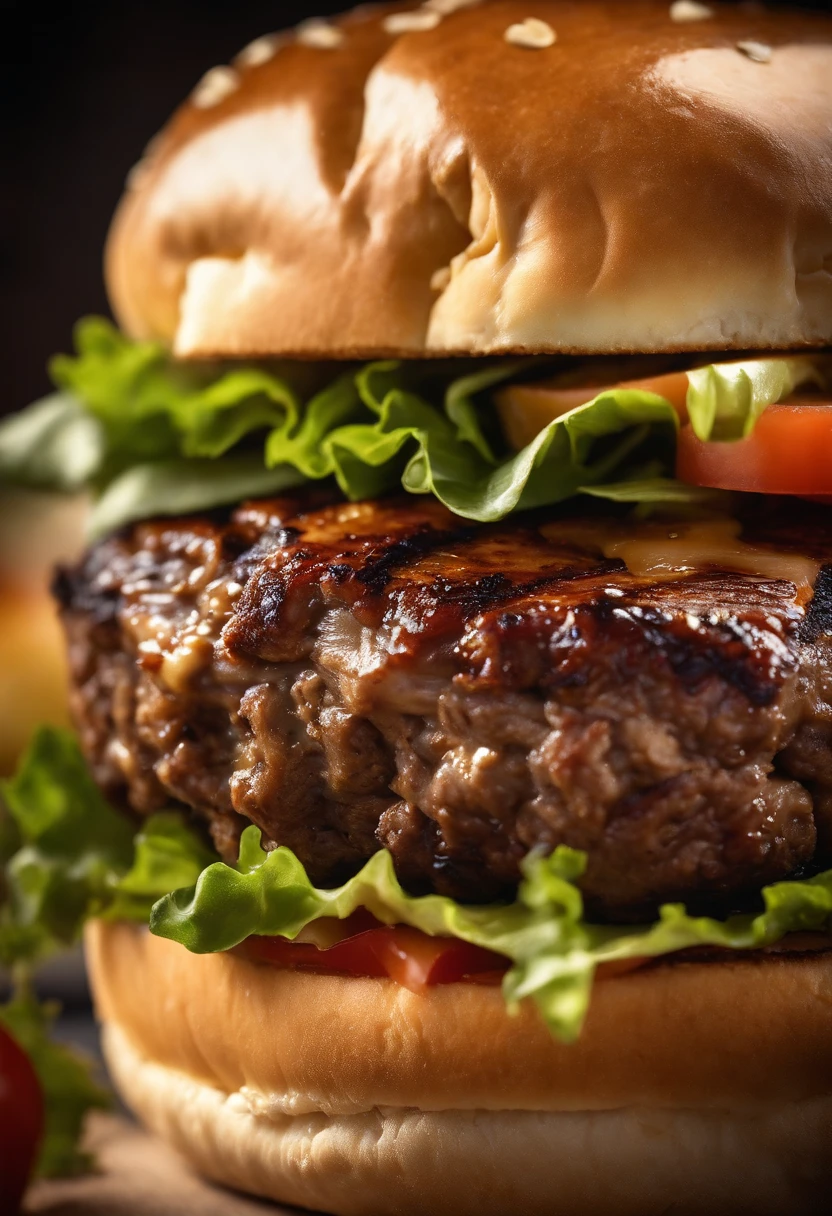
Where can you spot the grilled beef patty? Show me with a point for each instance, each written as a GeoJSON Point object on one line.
{"type": "Point", "coordinates": [384, 674]}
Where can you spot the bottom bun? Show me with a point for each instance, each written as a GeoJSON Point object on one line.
{"type": "Point", "coordinates": [304, 1088]}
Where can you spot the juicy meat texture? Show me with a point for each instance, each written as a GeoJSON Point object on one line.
{"type": "Point", "coordinates": [384, 674]}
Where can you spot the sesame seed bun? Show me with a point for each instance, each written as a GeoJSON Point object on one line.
{"type": "Point", "coordinates": [579, 177]}
{"type": "Point", "coordinates": [701, 1086]}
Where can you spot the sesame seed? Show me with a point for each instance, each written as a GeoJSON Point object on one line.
{"type": "Point", "coordinates": [759, 52]}
{"type": "Point", "coordinates": [446, 7]}
{"type": "Point", "coordinates": [532, 33]}
{"type": "Point", "coordinates": [215, 86]}
{"type": "Point", "coordinates": [411, 23]}
{"type": "Point", "coordinates": [319, 34]}
{"type": "Point", "coordinates": [689, 10]}
{"type": "Point", "coordinates": [257, 52]}
{"type": "Point", "coordinates": [440, 278]}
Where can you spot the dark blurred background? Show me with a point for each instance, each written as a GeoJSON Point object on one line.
{"type": "Point", "coordinates": [83, 86]}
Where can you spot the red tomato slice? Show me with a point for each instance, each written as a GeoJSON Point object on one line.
{"type": "Point", "coordinates": [417, 961]}
{"type": "Point", "coordinates": [788, 452]}
{"type": "Point", "coordinates": [411, 958]}
{"type": "Point", "coordinates": [21, 1121]}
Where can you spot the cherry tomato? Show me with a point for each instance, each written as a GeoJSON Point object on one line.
{"type": "Point", "coordinates": [788, 452]}
{"type": "Point", "coordinates": [21, 1121]}
{"type": "Point", "coordinates": [411, 958]}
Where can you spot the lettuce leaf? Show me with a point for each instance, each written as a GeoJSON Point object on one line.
{"type": "Point", "coordinates": [153, 436]}
{"type": "Point", "coordinates": [76, 857]}
{"type": "Point", "coordinates": [725, 400]}
{"type": "Point", "coordinates": [150, 407]}
{"type": "Point", "coordinates": [553, 951]}
{"type": "Point", "coordinates": [53, 445]}
{"type": "Point", "coordinates": [646, 491]}
{"type": "Point", "coordinates": [67, 1081]}
{"type": "Point", "coordinates": [69, 856]}
{"type": "Point", "coordinates": [180, 487]}
{"type": "Point", "coordinates": [578, 449]}
{"type": "Point", "coordinates": [74, 847]}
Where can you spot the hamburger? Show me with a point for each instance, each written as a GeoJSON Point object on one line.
{"type": "Point", "coordinates": [452, 658]}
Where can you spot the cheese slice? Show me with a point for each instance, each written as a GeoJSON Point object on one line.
{"type": "Point", "coordinates": [670, 550]}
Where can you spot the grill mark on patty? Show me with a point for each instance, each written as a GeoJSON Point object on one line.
{"type": "Point", "coordinates": [547, 642]}
{"type": "Point", "coordinates": [377, 571]}
{"type": "Point", "coordinates": [744, 653]}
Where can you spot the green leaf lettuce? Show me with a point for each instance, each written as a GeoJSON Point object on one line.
{"type": "Point", "coordinates": [77, 857]}
{"type": "Point", "coordinates": [69, 856]}
{"type": "Point", "coordinates": [725, 400]}
{"type": "Point", "coordinates": [149, 435]}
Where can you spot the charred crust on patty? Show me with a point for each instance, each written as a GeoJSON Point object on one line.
{"type": "Point", "coordinates": [817, 623]}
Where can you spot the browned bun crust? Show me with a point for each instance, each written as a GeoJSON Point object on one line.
{"type": "Point", "coordinates": [686, 1079]}
{"type": "Point", "coordinates": [642, 184]}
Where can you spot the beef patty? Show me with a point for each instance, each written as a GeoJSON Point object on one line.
{"type": "Point", "coordinates": [350, 676]}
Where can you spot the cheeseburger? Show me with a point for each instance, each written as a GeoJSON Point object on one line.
{"type": "Point", "coordinates": [452, 658]}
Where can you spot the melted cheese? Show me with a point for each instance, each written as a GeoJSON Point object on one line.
{"type": "Point", "coordinates": [660, 551]}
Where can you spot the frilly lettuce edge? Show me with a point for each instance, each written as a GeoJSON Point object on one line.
{"type": "Point", "coordinates": [151, 436]}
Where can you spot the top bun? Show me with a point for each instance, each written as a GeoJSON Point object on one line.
{"type": "Point", "coordinates": [422, 181]}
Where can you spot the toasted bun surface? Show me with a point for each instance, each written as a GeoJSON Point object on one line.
{"type": "Point", "coordinates": [705, 1085]}
{"type": "Point", "coordinates": [642, 184]}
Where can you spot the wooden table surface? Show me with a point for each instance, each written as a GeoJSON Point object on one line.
{"type": "Point", "coordinates": [138, 1176]}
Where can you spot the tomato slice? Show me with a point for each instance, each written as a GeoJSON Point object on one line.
{"type": "Point", "coordinates": [417, 961]}
{"type": "Point", "coordinates": [408, 956]}
{"type": "Point", "coordinates": [21, 1121]}
{"type": "Point", "coordinates": [525, 409]}
{"type": "Point", "coordinates": [788, 452]}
